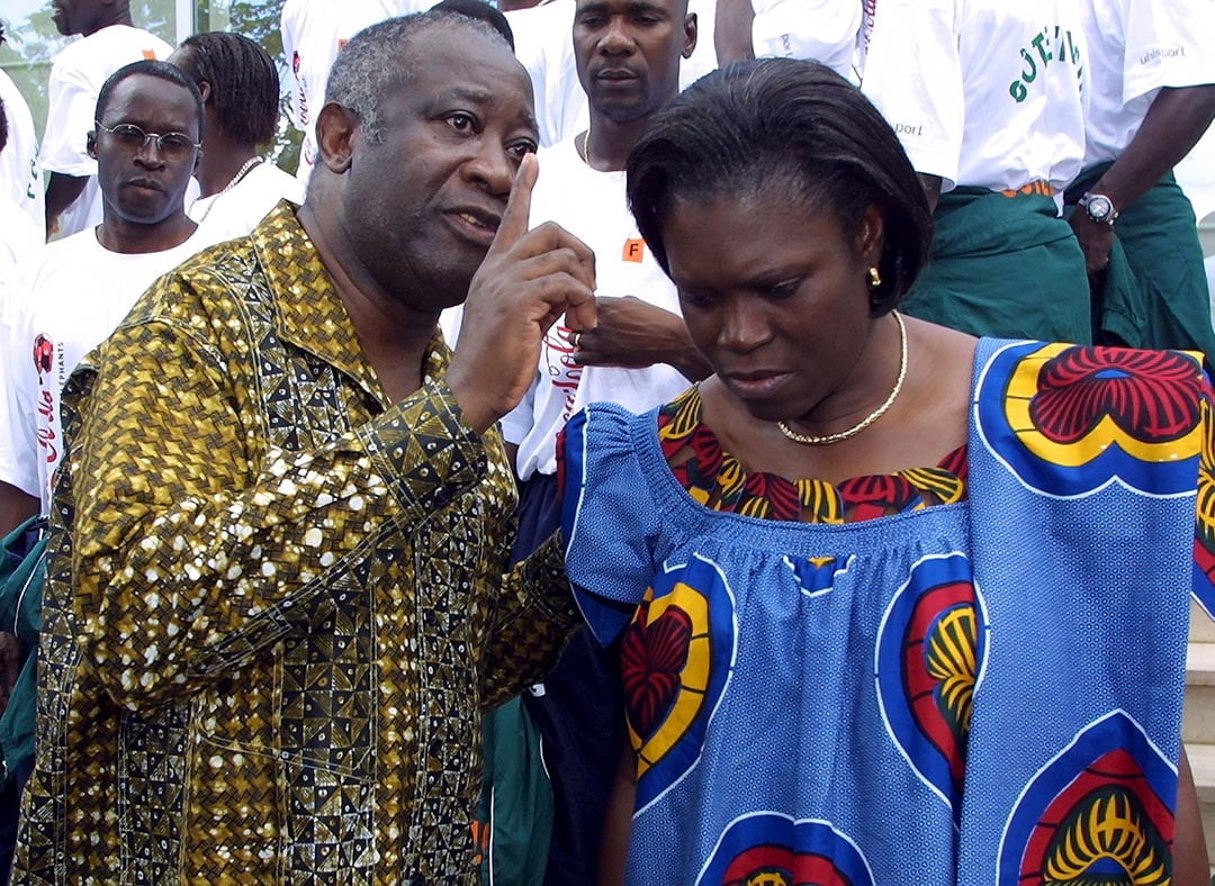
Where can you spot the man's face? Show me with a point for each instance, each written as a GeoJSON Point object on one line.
{"type": "Point", "coordinates": [76, 16]}
{"type": "Point", "coordinates": [422, 207]}
{"type": "Point", "coordinates": [628, 53]}
{"type": "Point", "coordinates": [145, 184]}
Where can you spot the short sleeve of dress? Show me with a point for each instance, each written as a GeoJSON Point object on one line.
{"type": "Point", "coordinates": [609, 518]}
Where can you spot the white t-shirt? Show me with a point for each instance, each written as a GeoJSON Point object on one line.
{"type": "Point", "coordinates": [982, 93]}
{"type": "Point", "coordinates": [590, 205]}
{"type": "Point", "coordinates": [822, 30]}
{"type": "Point", "coordinates": [77, 75]}
{"type": "Point", "coordinates": [236, 212]}
{"type": "Point", "coordinates": [1135, 48]}
{"type": "Point", "coordinates": [20, 173]}
{"type": "Point", "coordinates": [544, 45]}
{"type": "Point", "coordinates": [313, 33]}
{"type": "Point", "coordinates": [67, 302]}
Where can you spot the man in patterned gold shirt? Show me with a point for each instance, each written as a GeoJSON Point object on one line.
{"type": "Point", "coordinates": [276, 600]}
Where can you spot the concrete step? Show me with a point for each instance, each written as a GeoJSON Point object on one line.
{"type": "Point", "coordinates": [1202, 628]}
{"type": "Point", "coordinates": [1199, 722]}
{"type": "Point", "coordinates": [1202, 763]}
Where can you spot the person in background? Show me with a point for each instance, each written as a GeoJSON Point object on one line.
{"type": "Point", "coordinates": [987, 98]}
{"type": "Point", "coordinates": [1152, 97]}
{"type": "Point", "coordinates": [20, 173]}
{"type": "Point", "coordinates": [278, 594]}
{"type": "Point", "coordinates": [313, 33]}
{"type": "Point", "coordinates": [70, 296]}
{"type": "Point", "coordinates": [628, 55]}
{"type": "Point", "coordinates": [878, 586]}
{"type": "Point", "coordinates": [110, 40]}
{"type": "Point", "coordinates": [239, 85]}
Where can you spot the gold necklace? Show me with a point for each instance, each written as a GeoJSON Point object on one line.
{"type": "Point", "coordinates": [811, 440]}
{"type": "Point", "coordinates": [586, 145]}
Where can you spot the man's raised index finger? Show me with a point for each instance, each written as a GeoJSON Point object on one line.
{"type": "Point", "coordinates": [515, 218]}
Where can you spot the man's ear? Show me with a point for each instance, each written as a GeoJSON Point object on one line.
{"type": "Point", "coordinates": [204, 89]}
{"type": "Point", "coordinates": [336, 127]}
{"type": "Point", "coordinates": [690, 24]}
{"type": "Point", "coordinates": [90, 144]}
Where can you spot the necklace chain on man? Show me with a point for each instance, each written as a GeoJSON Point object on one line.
{"type": "Point", "coordinates": [236, 180]}
{"type": "Point", "coordinates": [811, 440]}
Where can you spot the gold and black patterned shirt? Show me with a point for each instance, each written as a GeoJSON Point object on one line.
{"type": "Point", "coordinates": [283, 601]}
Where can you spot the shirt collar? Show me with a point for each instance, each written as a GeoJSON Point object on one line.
{"type": "Point", "coordinates": [311, 313]}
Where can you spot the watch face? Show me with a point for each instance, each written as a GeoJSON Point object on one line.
{"type": "Point", "coordinates": [1098, 207]}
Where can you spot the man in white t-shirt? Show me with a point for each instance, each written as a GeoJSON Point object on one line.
{"type": "Point", "coordinates": [73, 202]}
{"type": "Point", "coordinates": [20, 173]}
{"type": "Point", "coordinates": [77, 291]}
{"type": "Point", "coordinates": [1152, 69]}
{"type": "Point", "coordinates": [238, 81]}
{"type": "Point", "coordinates": [628, 55]}
{"type": "Point", "coordinates": [313, 33]}
{"type": "Point", "coordinates": [987, 98]}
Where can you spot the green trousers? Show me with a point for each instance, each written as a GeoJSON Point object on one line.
{"type": "Point", "coordinates": [1003, 266]}
{"type": "Point", "coordinates": [1154, 292]}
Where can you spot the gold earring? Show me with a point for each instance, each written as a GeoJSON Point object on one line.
{"type": "Point", "coordinates": [875, 279]}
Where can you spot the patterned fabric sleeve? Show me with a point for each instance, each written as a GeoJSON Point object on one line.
{"type": "Point", "coordinates": [535, 615]}
{"type": "Point", "coordinates": [608, 516]}
{"type": "Point", "coordinates": [191, 552]}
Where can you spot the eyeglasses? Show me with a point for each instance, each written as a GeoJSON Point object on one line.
{"type": "Point", "coordinates": [173, 145]}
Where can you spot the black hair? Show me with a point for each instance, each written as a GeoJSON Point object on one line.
{"type": "Point", "coordinates": [159, 70]}
{"type": "Point", "coordinates": [784, 121]}
{"type": "Point", "coordinates": [243, 80]}
{"type": "Point", "coordinates": [479, 9]}
{"type": "Point", "coordinates": [3, 127]}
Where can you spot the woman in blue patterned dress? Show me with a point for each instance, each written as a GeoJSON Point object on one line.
{"type": "Point", "coordinates": [893, 605]}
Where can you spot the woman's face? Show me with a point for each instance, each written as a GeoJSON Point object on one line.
{"type": "Point", "coordinates": [775, 296]}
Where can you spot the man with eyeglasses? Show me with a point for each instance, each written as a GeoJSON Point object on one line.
{"type": "Point", "coordinates": [146, 142]}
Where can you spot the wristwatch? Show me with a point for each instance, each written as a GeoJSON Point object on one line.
{"type": "Point", "coordinates": [1099, 208]}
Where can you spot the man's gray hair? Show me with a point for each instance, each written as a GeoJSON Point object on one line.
{"type": "Point", "coordinates": [377, 59]}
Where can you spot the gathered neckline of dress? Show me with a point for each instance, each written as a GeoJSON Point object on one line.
{"type": "Point", "coordinates": [716, 479]}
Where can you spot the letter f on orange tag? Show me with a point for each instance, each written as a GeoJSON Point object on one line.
{"type": "Point", "coordinates": [634, 250]}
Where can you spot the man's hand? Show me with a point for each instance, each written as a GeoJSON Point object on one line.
{"type": "Point", "coordinates": [1096, 241]}
{"type": "Point", "coordinates": [527, 281]}
{"type": "Point", "coordinates": [631, 334]}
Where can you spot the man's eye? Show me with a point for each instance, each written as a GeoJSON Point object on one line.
{"type": "Point", "coordinates": [461, 122]}
{"type": "Point", "coordinates": [521, 149]}
{"type": "Point", "coordinates": [128, 133]}
{"type": "Point", "coordinates": [175, 143]}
